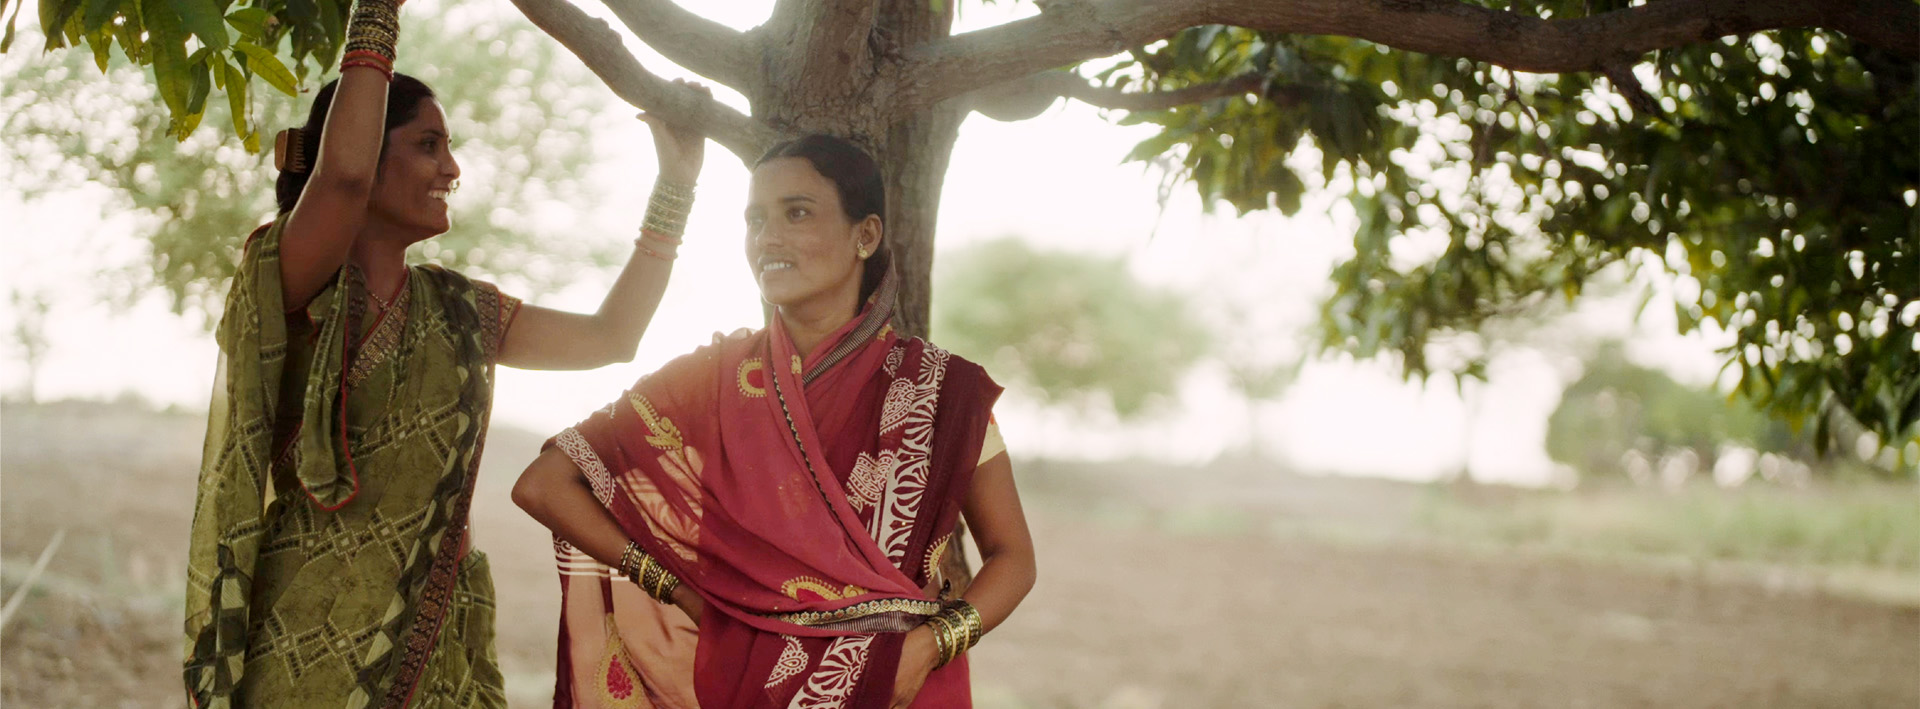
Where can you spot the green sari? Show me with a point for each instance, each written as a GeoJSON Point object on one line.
{"type": "Point", "coordinates": [328, 565]}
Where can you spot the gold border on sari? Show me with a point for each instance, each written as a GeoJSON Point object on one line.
{"type": "Point", "coordinates": [857, 611]}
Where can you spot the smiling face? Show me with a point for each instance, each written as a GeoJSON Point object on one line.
{"type": "Point", "coordinates": [416, 175]}
{"type": "Point", "coordinates": [803, 249]}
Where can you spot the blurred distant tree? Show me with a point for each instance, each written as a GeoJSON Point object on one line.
{"type": "Point", "coordinates": [1617, 406]}
{"type": "Point", "coordinates": [30, 310]}
{"type": "Point", "coordinates": [1073, 328]}
{"type": "Point", "coordinates": [1258, 370]}
{"type": "Point", "coordinates": [1768, 151]}
{"type": "Point", "coordinates": [195, 201]}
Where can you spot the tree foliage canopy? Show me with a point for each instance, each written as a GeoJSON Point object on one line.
{"type": "Point", "coordinates": [1774, 176]}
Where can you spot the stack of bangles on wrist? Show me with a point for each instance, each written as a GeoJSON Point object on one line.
{"type": "Point", "coordinates": [371, 34]}
{"type": "Point", "coordinates": [666, 220]}
{"type": "Point", "coordinates": [649, 575]}
{"type": "Point", "coordinates": [955, 629]}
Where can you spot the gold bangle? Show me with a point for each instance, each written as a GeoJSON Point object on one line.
{"type": "Point", "coordinates": [655, 580]}
{"type": "Point", "coordinates": [668, 584]}
{"type": "Point", "coordinates": [631, 560]}
{"type": "Point", "coordinates": [956, 643]}
{"type": "Point", "coordinates": [942, 638]}
{"type": "Point", "coordinates": [668, 208]}
{"type": "Point", "coordinates": [975, 625]}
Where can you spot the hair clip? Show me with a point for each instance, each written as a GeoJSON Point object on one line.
{"type": "Point", "coordinates": [290, 150]}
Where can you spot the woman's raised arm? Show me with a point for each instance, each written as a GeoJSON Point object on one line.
{"type": "Point", "coordinates": [543, 338]}
{"type": "Point", "coordinates": [333, 206]}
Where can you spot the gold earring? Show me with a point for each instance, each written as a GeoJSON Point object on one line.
{"type": "Point", "coordinates": [863, 253]}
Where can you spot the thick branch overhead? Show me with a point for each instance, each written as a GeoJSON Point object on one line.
{"type": "Point", "coordinates": [600, 47]}
{"type": "Point", "coordinates": [1022, 99]}
{"type": "Point", "coordinates": [1070, 31]}
{"type": "Point", "coordinates": [704, 47]}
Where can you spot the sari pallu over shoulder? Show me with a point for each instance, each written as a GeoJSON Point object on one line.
{"type": "Point", "coordinates": [808, 516]}
{"type": "Point", "coordinates": [253, 552]}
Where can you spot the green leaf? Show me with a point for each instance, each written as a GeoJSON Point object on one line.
{"type": "Point", "coordinates": [129, 35]}
{"type": "Point", "coordinates": [98, 13]}
{"type": "Point", "coordinates": [53, 20]}
{"type": "Point", "coordinates": [100, 42]}
{"type": "Point", "coordinates": [167, 40]}
{"type": "Point", "coordinates": [202, 17]}
{"type": "Point", "coordinates": [268, 67]}
{"type": "Point", "coordinates": [6, 42]}
{"type": "Point", "coordinates": [241, 109]}
{"type": "Point", "coordinates": [202, 85]}
{"type": "Point", "coordinates": [250, 21]}
{"type": "Point", "coordinates": [333, 24]}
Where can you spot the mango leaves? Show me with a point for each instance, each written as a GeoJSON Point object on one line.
{"type": "Point", "coordinates": [1776, 182]}
{"type": "Point", "coordinates": [195, 48]}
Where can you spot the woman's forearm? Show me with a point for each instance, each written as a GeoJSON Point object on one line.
{"type": "Point", "coordinates": [631, 303]}
{"type": "Point", "coordinates": [1003, 581]}
{"type": "Point", "coordinates": [556, 494]}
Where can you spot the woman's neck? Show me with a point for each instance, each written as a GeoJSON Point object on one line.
{"type": "Point", "coordinates": [810, 323]}
{"type": "Point", "coordinates": [383, 261]}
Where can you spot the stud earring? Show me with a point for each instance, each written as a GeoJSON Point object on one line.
{"type": "Point", "coordinates": [863, 253]}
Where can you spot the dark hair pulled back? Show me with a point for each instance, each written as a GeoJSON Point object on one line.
{"type": "Point", "coordinates": [405, 95]}
{"type": "Point", "coordinates": [855, 175]}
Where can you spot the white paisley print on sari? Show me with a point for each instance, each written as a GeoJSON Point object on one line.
{"type": "Point", "coordinates": [906, 447]}
{"type": "Point", "coordinates": [793, 661]}
{"type": "Point", "coordinates": [832, 683]}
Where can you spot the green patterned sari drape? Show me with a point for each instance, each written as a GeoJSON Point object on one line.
{"type": "Point", "coordinates": [328, 564]}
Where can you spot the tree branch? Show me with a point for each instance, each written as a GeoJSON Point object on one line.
{"type": "Point", "coordinates": [704, 47]}
{"type": "Point", "coordinates": [1070, 31]}
{"type": "Point", "coordinates": [600, 47]}
{"type": "Point", "coordinates": [1022, 99]}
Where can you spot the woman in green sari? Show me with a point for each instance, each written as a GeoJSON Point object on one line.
{"type": "Point", "coordinates": [329, 564]}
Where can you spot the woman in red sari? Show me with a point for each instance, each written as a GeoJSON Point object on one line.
{"type": "Point", "coordinates": [792, 489]}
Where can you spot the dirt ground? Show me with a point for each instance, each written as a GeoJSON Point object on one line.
{"type": "Point", "coordinates": [1156, 591]}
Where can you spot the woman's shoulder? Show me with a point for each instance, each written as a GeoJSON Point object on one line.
{"type": "Point", "coordinates": [954, 362]}
{"type": "Point", "coordinates": [724, 347]}
{"type": "Point", "coordinates": [444, 277]}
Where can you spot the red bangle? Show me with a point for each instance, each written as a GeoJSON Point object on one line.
{"type": "Point", "coordinates": [660, 237]}
{"type": "Point", "coordinates": [384, 69]}
{"type": "Point", "coordinates": [367, 53]}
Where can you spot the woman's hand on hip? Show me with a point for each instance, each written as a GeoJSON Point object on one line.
{"type": "Point", "coordinates": [682, 148]}
{"type": "Point", "coordinates": [917, 657]}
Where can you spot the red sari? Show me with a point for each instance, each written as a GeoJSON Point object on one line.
{"type": "Point", "coordinates": [808, 501]}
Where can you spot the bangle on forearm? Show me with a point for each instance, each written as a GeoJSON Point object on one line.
{"type": "Point", "coordinates": [657, 245]}
{"type": "Point", "coordinates": [668, 208]}
{"type": "Point", "coordinates": [656, 581]}
{"type": "Point", "coordinates": [369, 59]}
{"type": "Point", "coordinates": [956, 629]}
{"type": "Point", "coordinates": [631, 559]}
{"type": "Point", "coordinates": [944, 642]}
{"type": "Point", "coordinates": [372, 32]}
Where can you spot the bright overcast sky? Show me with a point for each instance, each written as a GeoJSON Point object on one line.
{"type": "Point", "coordinates": [1055, 180]}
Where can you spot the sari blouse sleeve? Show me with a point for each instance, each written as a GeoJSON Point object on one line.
{"type": "Point", "coordinates": [612, 445]}
{"type": "Point", "coordinates": [497, 310]}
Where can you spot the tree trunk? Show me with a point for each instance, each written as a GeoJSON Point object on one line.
{"type": "Point", "coordinates": [914, 161]}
